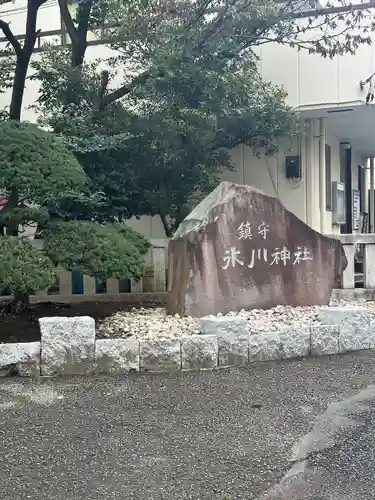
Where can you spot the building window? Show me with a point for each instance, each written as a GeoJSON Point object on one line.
{"type": "Point", "coordinates": [328, 178]}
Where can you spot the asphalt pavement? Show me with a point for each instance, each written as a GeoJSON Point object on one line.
{"type": "Point", "coordinates": [192, 435]}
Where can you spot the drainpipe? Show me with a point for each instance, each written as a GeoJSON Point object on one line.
{"type": "Point", "coordinates": [366, 186]}
{"type": "Point", "coordinates": [322, 173]}
{"type": "Point", "coordinates": [372, 186]}
{"type": "Point", "coordinates": [309, 165]}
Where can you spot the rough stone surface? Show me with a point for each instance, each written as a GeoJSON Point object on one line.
{"type": "Point", "coordinates": [354, 322]}
{"type": "Point", "coordinates": [233, 338]}
{"type": "Point", "coordinates": [295, 342]}
{"type": "Point", "coordinates": [67, 345]}
{"type": "Point", "coordinates": [224, 325]}
{"type": "Point", "coordinates": [199, 352]}
{"type": "Point", "coordinates": [240, 248]}
{"type": "Point", "coordinates": [21, 359]}
{"type": "Point", "coordinates": [279, 344]}
{"type": "Point", "coordinates": [117, 356]}
{"type": "Point", "coordinates": [264, 346]}
{"type": "Point", "coordinates": [372, 333]}
{"type": "Point", "coordinates": [163, 355]}
{"type": "Point", "coordinates": [354, 339]}
{"type": "Point", "coordinates": [325, 339]}
{"type": "Point", "coordinates": [233, 350]}
{"type": "Point", "coordinates": [338, 315]}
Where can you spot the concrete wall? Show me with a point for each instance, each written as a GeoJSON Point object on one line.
{"type": "Point", "coordinates": [268, 174]}
{"type": "Point", "coordinates": [310, 79]}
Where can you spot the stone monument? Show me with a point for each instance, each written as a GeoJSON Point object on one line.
{"type": "Point", "coordinates": [241, 249]}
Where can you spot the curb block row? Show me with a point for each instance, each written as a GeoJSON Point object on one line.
{"type": "Point", "coordinates": [69, 346]}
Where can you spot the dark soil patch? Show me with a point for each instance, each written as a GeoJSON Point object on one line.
{"type": "Point", "coordinates": [24, 326]}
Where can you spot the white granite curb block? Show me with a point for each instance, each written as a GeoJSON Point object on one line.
{"type": "Point", "coordinates": [285, 343]}
{"type": "Point", "coordinates": [233, 338]}
{"type": "Point", "coordinates": [354, 323]}
{"type": "Point", "coordinates": [295, 342]}
{"type": "Point", "coordinates": [116, 356]}
{"type": "Point", "coordinates": [199, 352]}
{"type": "Point", "coordinates": [325, 340]}
{"type": "Point", "coordinates": [67, 345]}
{"type": "Point", "coordinates": [21, 359]}
{"type": "Point", "coordinates": [264, 346]}
{"type": "Point", "coordinates": [224, 325]}
{"type": "Point", "coordinates": [162, 355]}
{"type": "Point", "coordinates": [233, 349]}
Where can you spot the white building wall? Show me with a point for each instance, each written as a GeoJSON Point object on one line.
{"type": "Point", "coordinates": [310, 79]}
{"type": "Point", "coordinates": [268, 174]}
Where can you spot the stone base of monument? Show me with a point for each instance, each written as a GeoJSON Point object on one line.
{"type": "Point", "coordinates": [69, 346]}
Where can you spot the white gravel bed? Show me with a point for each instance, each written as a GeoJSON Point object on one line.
{"type": "Point", "coordinates": [146, 323]}
{"type": "Point", "coordinates": [155, 323]}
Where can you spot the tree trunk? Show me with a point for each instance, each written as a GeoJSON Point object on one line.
{"type": "Point", "coordinates": [78, 36]}
{"type": "Point", "coordinates": [12, 202]}
{"type": "Point", "coordinates": [23, 60]}
{"type": "Point", "coordinates": [18, 89]}
{"type": "Point", "coordinates": [79, 51]}
{"type": "Point", "coordinates": [167, 229]}
{"type": "Point", "coordinates": [21, 301]}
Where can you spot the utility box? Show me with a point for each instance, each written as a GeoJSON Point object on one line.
{"type": "Point", "coordinates": [338, 203]}
{"type": "Point", "coordinates": [293, 167]}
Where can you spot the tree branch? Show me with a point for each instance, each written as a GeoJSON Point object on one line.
{"type": "Point", "coordinates": [84, 11]}
{"type": "Point", "coordinates": [105, 100]}
{"type": "Point", "coordinates": [103, 85]}
{"type": "Point", "coordinates": [166, 226]}
{"type": "Point", "coordinates": [68, 21]}
{"type": "Point", "coordinates": [11, 38]}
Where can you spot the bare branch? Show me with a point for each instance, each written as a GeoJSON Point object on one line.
{"type": "Point", "coordinates": [331, 10]}
{"type": "Point", "coordinates": [11, 38]}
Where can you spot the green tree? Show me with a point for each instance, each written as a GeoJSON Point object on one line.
{"type": "Point", "coordinates": [190, 91]}
{"type": "Point", "coordinates": [46, 186]}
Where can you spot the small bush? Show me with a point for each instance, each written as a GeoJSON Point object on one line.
{"type": "Point", "coordinates": [24, 270]}
{"type": "Point", "coordinates": [35, 164]}
{"type": "Point", "coordinates": [100, 250]}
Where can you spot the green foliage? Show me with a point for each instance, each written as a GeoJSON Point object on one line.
{"type": "Point", "coordinates": [24, 270]}
{"type": "Point", "coordinates": [190, 92]}
{"type": "Point", "coordinates": [35, 164]}
{"type": "Point", "coordinates": [45, 184]}
{"type": "Point", "coordinates": [164, 148]}
{"type": "Point", "coordinates": [103, 251]}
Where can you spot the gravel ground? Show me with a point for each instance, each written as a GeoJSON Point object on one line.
{"type": "Point", "coordinates": [187, 436]}
{"type": "Point", "coordinates": [151, 323]}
